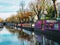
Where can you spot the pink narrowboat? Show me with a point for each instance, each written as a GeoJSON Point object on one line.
{"type": "Point", "coordinates": [47, 25]}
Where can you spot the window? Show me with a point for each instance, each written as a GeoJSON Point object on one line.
{"type": "Point", "coordinates": [47, 26]}
{"type": "Point", "coordinates": [56, 26]}
{"type": "Point", "coordinates": [51, 25]}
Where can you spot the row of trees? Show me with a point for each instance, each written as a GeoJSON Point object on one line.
{"type": "Point", "coordinates": [20, 17]}
{"type": "Point", "coordinates": [1, 20]}
{"type": "Point", "coordinates": [39, 8]}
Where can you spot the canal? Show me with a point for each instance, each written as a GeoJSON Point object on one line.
{"type": "Point", "coordinates": [10, 36]}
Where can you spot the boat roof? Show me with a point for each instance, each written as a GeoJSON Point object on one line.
{"type": "Point", "coordinates": [51, 21]}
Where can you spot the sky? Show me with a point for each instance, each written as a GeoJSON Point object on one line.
{"type": "Point", "coordinates": [58, 0]}
{"type": "Point", "coordinates": [10, 7]}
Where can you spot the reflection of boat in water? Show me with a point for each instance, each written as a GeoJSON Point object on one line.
{"type": "Point", "coordinates": [1, 25]}
{"type": "Point", "coordinates": [46, 40]}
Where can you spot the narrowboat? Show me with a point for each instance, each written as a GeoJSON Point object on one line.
{"type": "Point", "coordinates": [47, 25]}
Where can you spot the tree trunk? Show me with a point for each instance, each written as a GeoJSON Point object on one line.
{"type": "Point", "coordinates": [38, 15]}
{"type": "Point", "coordinates": [55, 10]}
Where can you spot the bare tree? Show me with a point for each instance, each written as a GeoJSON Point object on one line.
{"type": "Point", "coordinates": [39, 7]}
{"type": "Point", "coordinates": [55, 11]}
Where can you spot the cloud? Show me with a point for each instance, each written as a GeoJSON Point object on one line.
{"type": "Point", "coordinates": [6, 15]}
{"type": "Point", "coordinates": [9, 5]}
{"type": "Point", "coordinates": [5, 4]}
{"type": "Point", "coordinates": [12, 2]}
{"type": "Point", "coordinates": [9, 9]}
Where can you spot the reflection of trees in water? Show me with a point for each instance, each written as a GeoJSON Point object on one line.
{"type": "Point", "coordinates": [21, 35]}
{"type": "Point", "coordinates": [12, 30]}
{"type": "Point", "coordinates": [20, 32]}
{"type": "Point", "coordinates": [24, 36]}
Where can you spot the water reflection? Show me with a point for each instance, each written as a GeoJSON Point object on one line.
{"type": "Point", "coordinates": [23, 37]}
{"type": "Point", "coordinates": [10, 36]}
{"type": "Point", "coordinates": [7, 38]}
{"type": "Point", "coordinates": [42, 40]}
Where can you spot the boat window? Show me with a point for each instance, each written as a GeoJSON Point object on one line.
{"type": "Point", "coordinates": [56, 26]}
{"type": "Point", "coordinates": [51, 25]}
{"type": "Point", "coordinates": [47, 25]}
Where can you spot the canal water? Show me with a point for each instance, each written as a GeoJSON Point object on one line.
{"type": "Point", "coordinates": [10, 36]}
